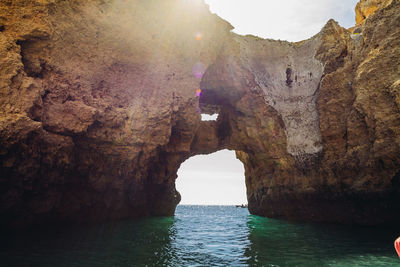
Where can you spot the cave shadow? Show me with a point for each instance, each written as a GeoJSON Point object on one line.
{"type": "Point", "coordinates": [283, 243]}
{"type": "Point", "coordinates": [144, 242]}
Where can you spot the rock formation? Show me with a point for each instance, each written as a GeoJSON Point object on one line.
{"type": "Point", "coordinates": [98, 109]}
{"type": "Point", "coordinates": [365, 8]}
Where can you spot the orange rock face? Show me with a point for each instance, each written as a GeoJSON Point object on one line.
{"type": "Point", "coordinates": [365, 8]}
{"type": "Point", "coordinates": [98, 109]}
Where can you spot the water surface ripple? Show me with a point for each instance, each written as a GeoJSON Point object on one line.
{"type": "Point", "coordinates": [202, 236]}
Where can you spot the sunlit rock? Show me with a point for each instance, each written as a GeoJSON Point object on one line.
{"type": "Point", "coordinates": [365, 8]}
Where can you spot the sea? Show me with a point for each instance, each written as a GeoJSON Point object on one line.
{"type": "Point", "coordinates": [201, 236]}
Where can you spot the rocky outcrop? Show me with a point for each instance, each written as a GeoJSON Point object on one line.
{"type": "Point", "coordinates": [365, 8]}
{"type": "Point", "coordinates": [98, 109]}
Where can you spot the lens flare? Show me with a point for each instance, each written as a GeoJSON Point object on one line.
{"type": "Point", "coordinates": [199, 36]}
{"type": "Point", "coordinates": [198, 92]}
{"type": "Point", "coordinates": [198, 70]}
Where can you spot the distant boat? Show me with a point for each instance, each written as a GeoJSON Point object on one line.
{"type": "Point", "coordinates": [241, 206]}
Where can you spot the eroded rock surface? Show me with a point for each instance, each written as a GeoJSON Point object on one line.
{"type": "Point", "coordinates": [365, 8]}
{"type": "Point", "coordinates": [98, 109]}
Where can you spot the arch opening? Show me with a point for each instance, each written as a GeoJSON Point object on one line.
{"type": "Point", "coordinates": [213, 179]}
{"type": "Point", "coordinates": [207, 117]}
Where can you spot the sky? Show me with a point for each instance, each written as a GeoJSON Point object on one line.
{"type": "Point", "coordinates": [291, 20]}
{"type": "Point", "coordinates": [218, 178]}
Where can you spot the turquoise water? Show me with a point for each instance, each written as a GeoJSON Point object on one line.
{"type": "Point", "coordinates": [202, 236]}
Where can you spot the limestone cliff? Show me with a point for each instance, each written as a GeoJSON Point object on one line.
{"type": "Point", "coordinates": [98, 109]}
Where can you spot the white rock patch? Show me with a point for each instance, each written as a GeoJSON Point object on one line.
{"type": "Point", "coordinates": [289, 75]}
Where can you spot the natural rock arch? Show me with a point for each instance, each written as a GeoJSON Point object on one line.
{"type": "Point", "coordinates": [98, 110]}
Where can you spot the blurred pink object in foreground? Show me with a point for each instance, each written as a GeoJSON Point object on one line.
{"type": "Point", "coordinates": [397, 246]}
